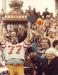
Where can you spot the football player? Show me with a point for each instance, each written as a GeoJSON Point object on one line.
{"type": "Point", "coordinates": [14, 53]}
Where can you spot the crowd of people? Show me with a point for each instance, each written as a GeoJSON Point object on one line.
{"type": "Point", "coordinates": [45, 43]}
{"type": "Point", "coordinates": [34, 47]}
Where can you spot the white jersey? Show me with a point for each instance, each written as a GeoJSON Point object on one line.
{"type": "Point", "coordinates": [16, 51]}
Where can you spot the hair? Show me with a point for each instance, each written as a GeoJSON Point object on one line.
{"type": "Point", "coordinates": [51, 51]}
{"type": "Point", "coordinates": [55, 42]}
{"type": "Point", "coordinates": [40, 22]}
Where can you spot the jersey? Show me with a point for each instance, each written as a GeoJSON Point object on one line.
{"type": "Point", "coordinates": [15, 51]}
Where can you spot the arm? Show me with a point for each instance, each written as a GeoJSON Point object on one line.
{"type": "Point", "coordinates": [2, 44]}
{"type": "Point", "coordinates": [1, 31]}
{"type": "Point", "coordinates": [41, 52]}
{"type": "Point", "coordinates": [27, 41]}
{"type": "Point", "coordinates": [2, 63]}
{"type": "Point", "coordinates": [30, 33]}
{"type": "Point", "coordinates": [2, 37]}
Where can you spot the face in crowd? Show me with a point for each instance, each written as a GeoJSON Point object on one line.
{"type": "Point", "coordinates": [50, 56]}
{"type": "Point", "coordinates": [50, 53]}
{"type": "Point", "coordinates": [51, 34]}
{"type": "Point", "coordinates": [55, 44]}
{"type": "Point", "coordinates": [45, 43]}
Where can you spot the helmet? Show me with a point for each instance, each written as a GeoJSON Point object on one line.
{"type": "Point", "coordinates": [39, 21]}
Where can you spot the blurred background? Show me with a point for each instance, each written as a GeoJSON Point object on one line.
{"type": "Point", "coordinates": [40, 5]}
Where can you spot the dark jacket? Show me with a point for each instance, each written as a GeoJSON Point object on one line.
{"type": "Point", "coordinates": [52, 67]}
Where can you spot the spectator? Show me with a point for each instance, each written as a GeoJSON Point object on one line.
{"type": "Point", "coordinates": [45, 13]}
{"type": "Point", "coordinates": [38, 56]}
{"type": "Point", "coordinates": [29, 9]}
{"type": "Point", "coordinates": [51, 64]}
{"type": "Point", "coordinates": [55, 45]}
{"type": "Point", "coordinates": [56, 28]}
{"type": "Point", "coordinates": [32, 17]}
{"type": "Point", "coordinates": [47, 24]}
{"type": "Point", "coordinates": [39, 15]}
{"type": "Point", "coordinates": [22, 33]}
{"type": "Point", "coordinates": [34, 11]}
{"type": "Point", "coordinates": [2, 15]}
{"type": "Point", "coordinates": [51, 35]}
{"type": "Point", "coordinates": [40, 26]}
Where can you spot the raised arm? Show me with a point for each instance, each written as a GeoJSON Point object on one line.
{"type": "Point", "coordinates": [30, 35]}
{"type": "Point", "coordinates": [2, 44]}
{"type": "Point", "coordinates": [1, 32]}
